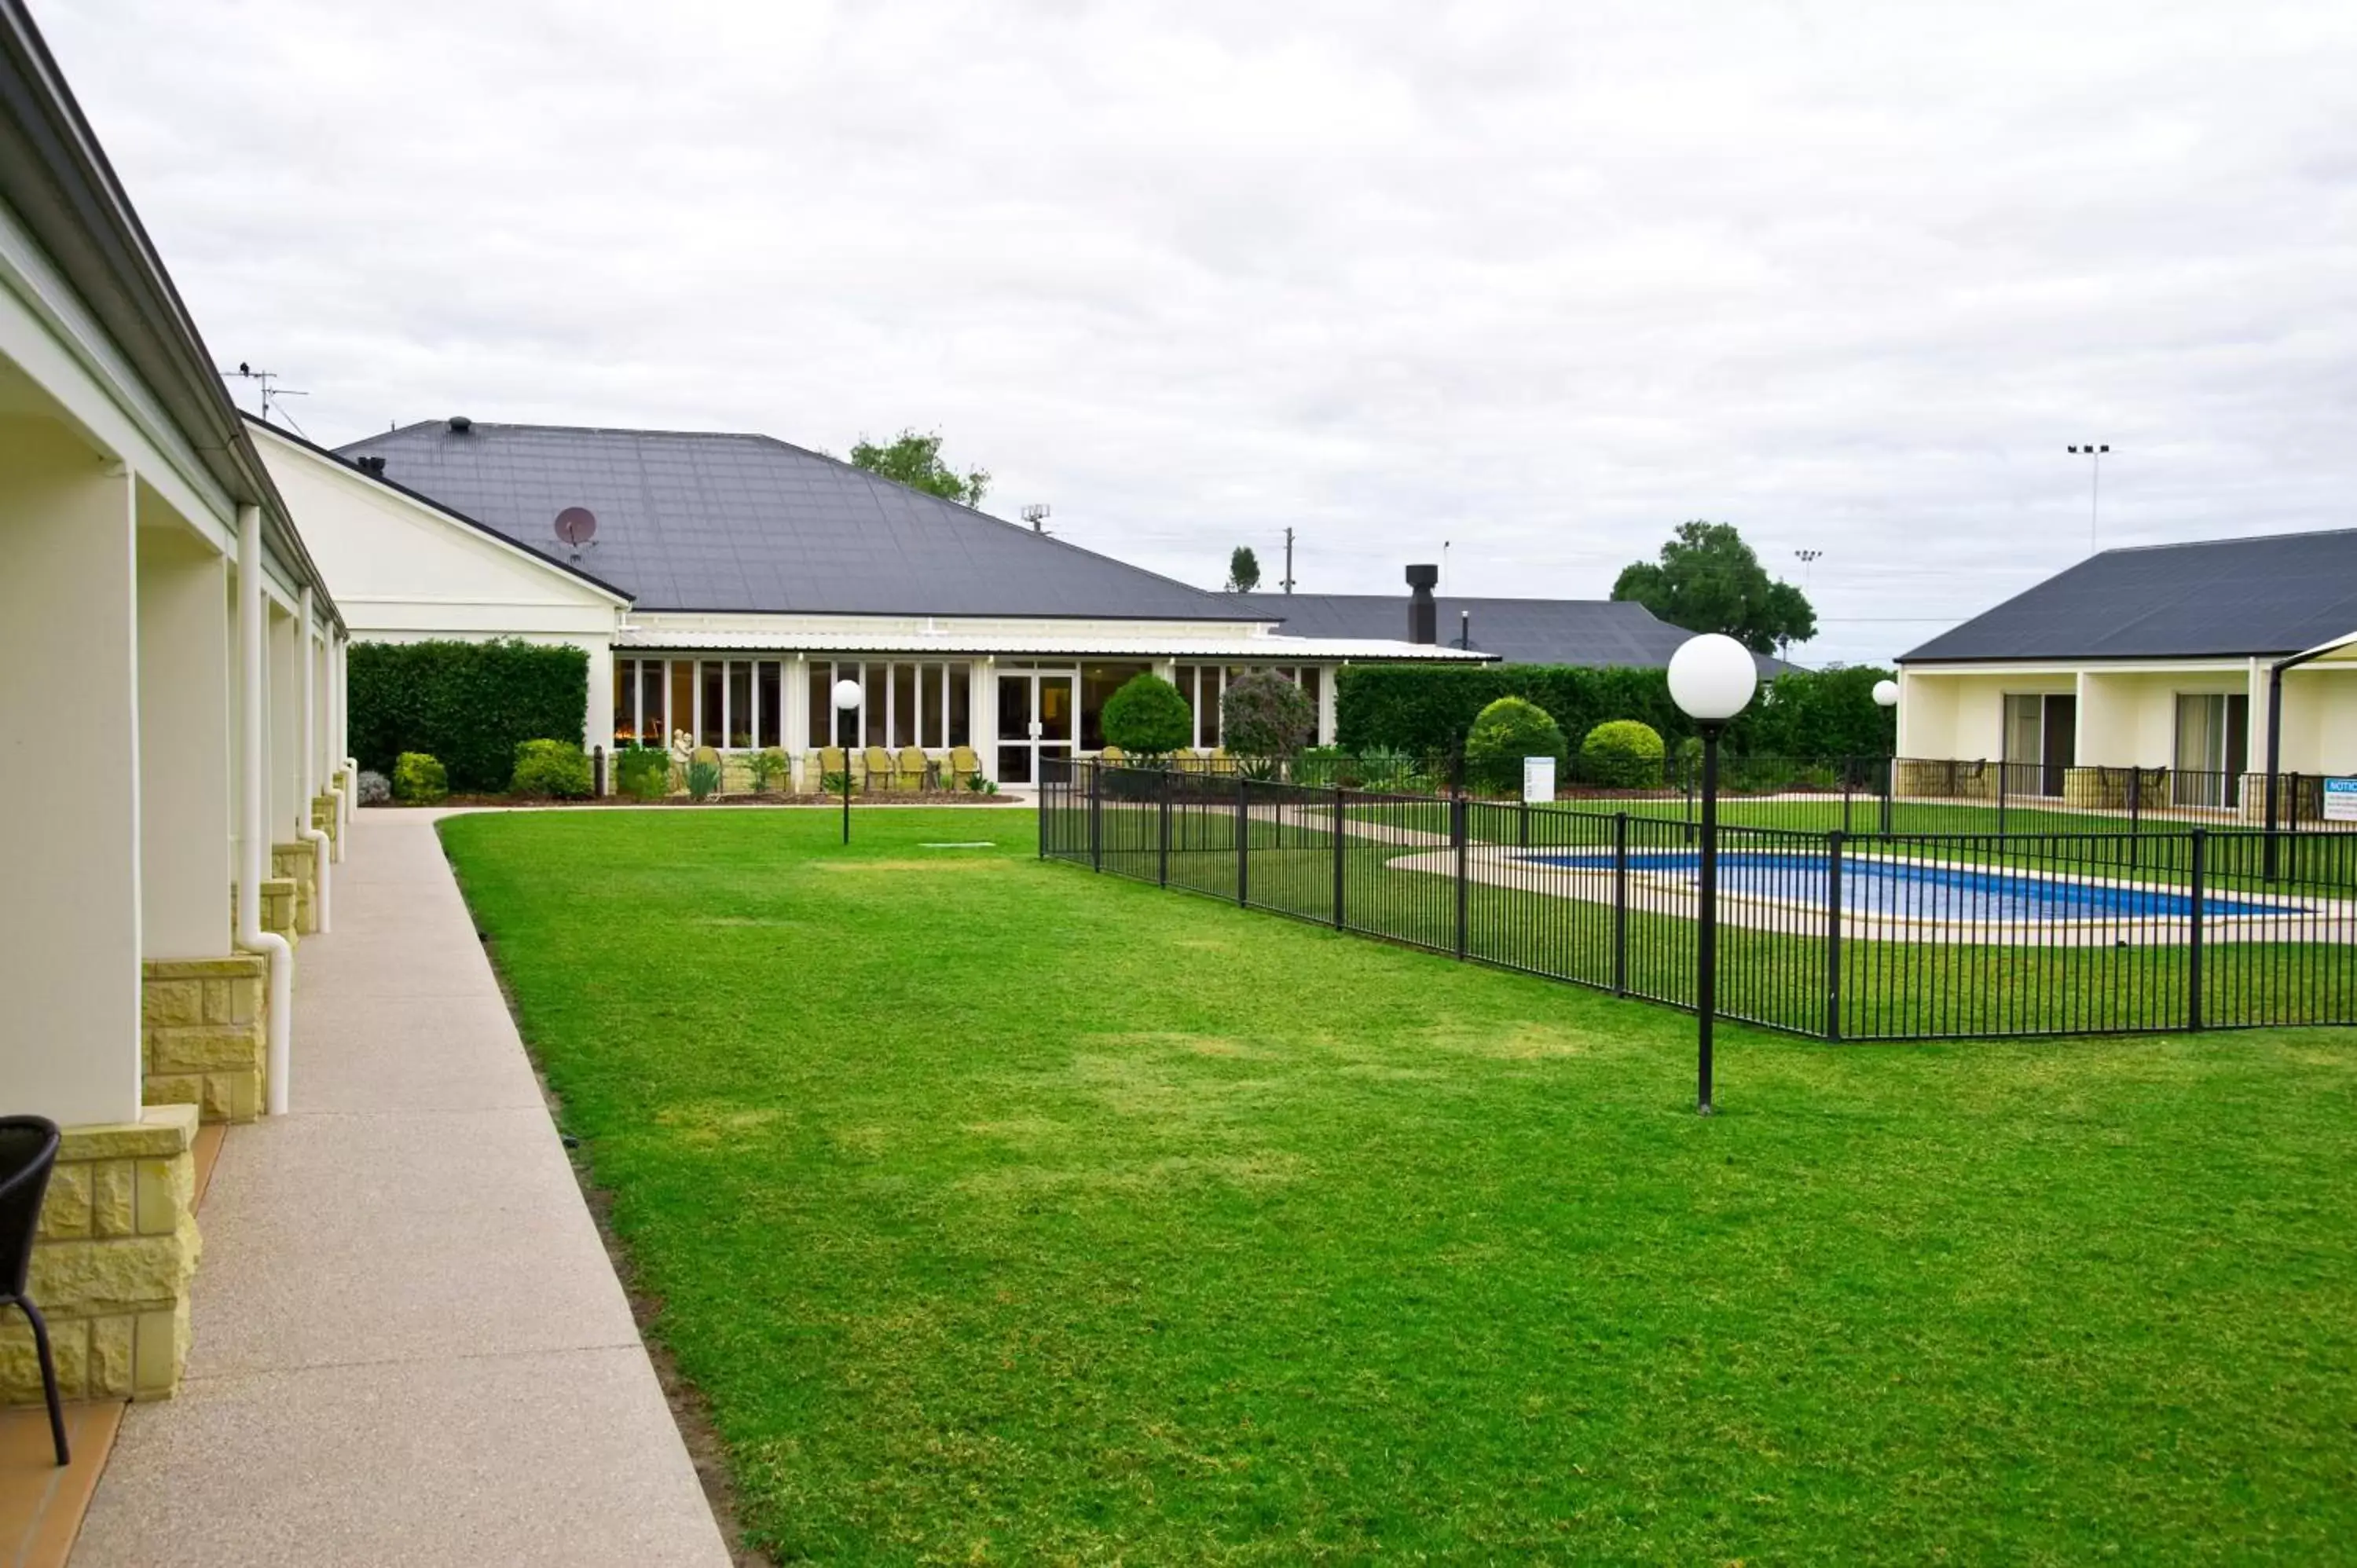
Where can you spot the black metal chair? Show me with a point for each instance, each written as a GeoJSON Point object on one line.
{"type": "Point", "coordinates": [28, 1148]}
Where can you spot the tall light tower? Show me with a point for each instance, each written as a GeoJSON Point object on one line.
{"type": "Point", "coordinates": [2095, 455]}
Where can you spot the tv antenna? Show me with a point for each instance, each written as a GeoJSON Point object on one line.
{"type": "Point", "coordinates": [578, 527]}
{"type": "Point", "coordinates": [1807, 558]}
{"type": "Point", "coordinates": [1288, 561]}
{"type": "Point", "coordinates": [272, 393]}
{"type": "Point", "coordinates": [1036, 514]}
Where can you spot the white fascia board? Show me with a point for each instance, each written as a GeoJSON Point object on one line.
{"type": "Point", "coordinates": [953, 639]}
{"type": "Point", "coordinates": [277, 448]}
{"type": "Point", "coordinates": [372, 617]}
{"type": "Point", "coordinates": [44, 329]}
{"type": "Point", "coordinates": [848, 629]}
{"type": "Point", "coordinates": [2339, 650]}
{"type": "Point", "coordinates": [2005, 667]}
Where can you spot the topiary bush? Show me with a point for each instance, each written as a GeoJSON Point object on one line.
{"type": "Point", "coordinates": [1147, 717]}
{"type": "Point", "coordinates": [375, 787]}
{"type": "Point", "coordinates": [1503, 734]}
{"type": "Point", "coordinates": [419, 778]}
{"type": "Point", "coordinates": [642, 772]}
{"type": "Point", "coordinates": [1265, 715]}
{"type": "Point", "coordinates": [468, 704]}
{"type": "Point", "coordinates": [551, 769]}
{"type": "Point", "coordinates": [1622, 754]}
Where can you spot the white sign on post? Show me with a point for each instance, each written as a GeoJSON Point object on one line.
{"type": "Point", "coordinates": [2340, 799]}
{"type": "Point", "coordinates": [1538, 779]}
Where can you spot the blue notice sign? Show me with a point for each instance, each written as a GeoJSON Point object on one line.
{"type": "Point", "coordinates": [2340, 799]}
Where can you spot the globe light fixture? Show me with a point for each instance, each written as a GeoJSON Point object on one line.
{"type": "Point", "coordinates": [1886, 693]}
{"type": "Point", "coordinates": [847, 700]}
{"type": "Point", "coordinates": [1712, 678]}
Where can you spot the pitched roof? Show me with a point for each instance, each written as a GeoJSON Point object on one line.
{"type": "Point", "coordinates": [2216, 598]}
{"type": "Point", "coordinates": [1598, 633]}
{"type": "Point", "coordinates": [720, 522]}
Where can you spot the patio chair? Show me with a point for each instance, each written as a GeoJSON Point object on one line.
{"type": "Point", "coordinates": [818, 765]}
{"type": "Point", "coordinates": [915, 769]}
{"type": "Point", "coordinates": [28, 1148]}
{"type": "Point", "coordinates": [1113, 757]}
{"type": "Point", "coordinates": [876, 769]}
{"type": "Point", "coordinates": [962, 766]}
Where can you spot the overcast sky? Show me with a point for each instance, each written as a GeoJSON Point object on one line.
{"type": "Point", "coordinates": [1541, 281]}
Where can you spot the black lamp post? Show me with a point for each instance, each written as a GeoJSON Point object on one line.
{"type": "Point", "coordinates": [847, 700]}
{"type": "Point", "coordinates": [1712, 678]}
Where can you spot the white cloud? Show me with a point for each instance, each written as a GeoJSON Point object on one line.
{"type": "Point", "coordinates": [1540, 281]}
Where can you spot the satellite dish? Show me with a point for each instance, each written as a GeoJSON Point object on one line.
{"type": "Point", "coordinates": [577, 525]}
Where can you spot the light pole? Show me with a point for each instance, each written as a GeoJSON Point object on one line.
{"type": "Point", "coordinates": [846, 698]}
{"type": "Point", "coordinates": [2095, 455]}
{"type": "Point", "coordinates": [1886, 695]}
{"type": "Point", "coordinates": [1711, 678]}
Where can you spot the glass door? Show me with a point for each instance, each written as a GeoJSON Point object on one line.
{"type": "Point", "coordinates": [1039, 724]}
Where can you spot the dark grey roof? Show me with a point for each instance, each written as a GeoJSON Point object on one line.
{"type": "Point", "coordinates": [1596, 633]}
{"type": "Point", "coordinates": [693, 522]}
{"type": "Point", "coordinates": [2218, 598]}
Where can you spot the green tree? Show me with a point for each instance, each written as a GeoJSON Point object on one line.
{"type": "Point", "coordinates": [914, 459]}
{"type": "Point", "coordinates": [1708, 580]}
{"type": "Point", "coordinates": [1147, 717]}
{"type": "Point", "coordinates": [1244, 570]}
{"type": "Point", "coordinates": [1265, 715]}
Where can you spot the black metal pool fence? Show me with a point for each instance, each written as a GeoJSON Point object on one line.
{"type": "Point", "coordinates": [1838, 933]}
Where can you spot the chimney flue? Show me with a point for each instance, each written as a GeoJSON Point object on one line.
{"type": "Point", "coordinates": [1423, 612]}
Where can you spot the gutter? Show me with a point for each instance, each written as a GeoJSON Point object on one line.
{"type": "Point", "coordinates": [252, 785]}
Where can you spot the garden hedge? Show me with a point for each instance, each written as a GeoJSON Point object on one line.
{"type": "Point", "coordinates": [1425, 709]}
{"type": "Point", "coordinates": [468, 704]}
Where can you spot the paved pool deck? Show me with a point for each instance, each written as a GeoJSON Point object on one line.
{"type": "Point", "coordinates": [410, 1346]}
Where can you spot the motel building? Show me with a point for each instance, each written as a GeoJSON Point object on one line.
{"type": "Point", "coordinates": [2197, 668]}
{"type": "Point", "coordinates": [173, 771]}
{"type": "Point", "coordinates": [723, 584]}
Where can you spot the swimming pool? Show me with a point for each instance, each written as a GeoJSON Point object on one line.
{"type": "Point", "coordinates": [1916, 891]}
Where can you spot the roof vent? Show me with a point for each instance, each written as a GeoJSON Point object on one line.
{"type": "Point", "coordinates": [461, 425]}
{"type": "Point", "coordinates": [373, 465]}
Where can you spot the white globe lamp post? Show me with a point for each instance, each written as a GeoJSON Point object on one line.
{"type": "Point", "coordinates": [1886, 695]}
{"type": "Point", "coordinates": [1712, 678]}
{"type": "Point", "coordinates": [847, 700]}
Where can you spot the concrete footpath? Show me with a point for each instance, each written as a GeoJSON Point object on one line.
{"type": "Point", "coordinates": [409, 1345]}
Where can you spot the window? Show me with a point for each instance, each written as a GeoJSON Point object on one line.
{"type": "Point", "coordinates": [961, 727]}
{"type": "Point", "coordinates": [904, 712]}
{"type": "Point", "coordinates": [654, 718]}
{"type": "Point", "coordinates": [681, 717]}
{"type": "Point", "coordinates": [1203, 686]}
{"type": "Point", "coordinates": [2213, 743]}
{"type": "Point", "coordinates": [2041, 737]}
{"type": "Point", "coordinates": [769, 704]}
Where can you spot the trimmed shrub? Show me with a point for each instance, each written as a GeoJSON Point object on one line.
{"type": "Point", "coordinates": [1622, 754]}
{"type": "Point", "coordinates": [419, 778]}
{"type": "Point", "coordinates": [375, 787]}
{"type": "Point", "coordinates": [1265, 715]}
{"type": "Point", "coordinates": [468, 704]}
{"type": "Point", "coordinates": [1148, 718]}
{"type": "Point", "coordinates": [551, 769]}
{"type": "Point", "coordinates": [1503, 734]}
{"type": "Point", "coordinates": [642, 772]}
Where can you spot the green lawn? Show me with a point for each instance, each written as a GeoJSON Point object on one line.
{"type": "Point", "coordinates": [1007, 1213]}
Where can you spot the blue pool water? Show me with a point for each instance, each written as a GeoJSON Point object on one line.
{"type": "Point", "coordinates": [1923, 892]}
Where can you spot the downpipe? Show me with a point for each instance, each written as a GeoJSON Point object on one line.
{"type": "Point", "coordinates": [304, 828]}
{"type": "Point", "coordinates": [251, 845]}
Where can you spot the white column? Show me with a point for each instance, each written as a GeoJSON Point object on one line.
{"type": "Point", "coordinates": [69, 773]}
{"type": "Point", "coordinates": [285, 708]}
{"type": "Point", "coordinates": [186, 734]}
{"type": "Point", "coordinates": [984, 689]}
{"type": "Point", "coordinates": [1327, 700]}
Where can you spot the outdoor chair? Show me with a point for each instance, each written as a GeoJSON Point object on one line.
{"type": "Point", "coordinates": [962, 765]}
{"type": "Point", "coordinates": [915, 770]}
{"type": "Point", "coordinates": [28, 1148]}
{"type": "Point", "coordinates": [875, 764]}
{"type": "Point", "coordinates": [819, 766]}
{"type": "Point", "coordinates": [1113, 757]}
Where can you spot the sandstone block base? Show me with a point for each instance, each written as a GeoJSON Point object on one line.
{"type": "Point", "coordinates": [202, 1035]}
{"type": "Point", "coordinates": [118, 1246]}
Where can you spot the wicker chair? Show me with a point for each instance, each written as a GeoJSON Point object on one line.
{"type": "Point", "coordinates": [914, 769]}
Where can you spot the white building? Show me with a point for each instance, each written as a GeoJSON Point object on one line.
{"type": "Point", "coordinates": [2194, 663]}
